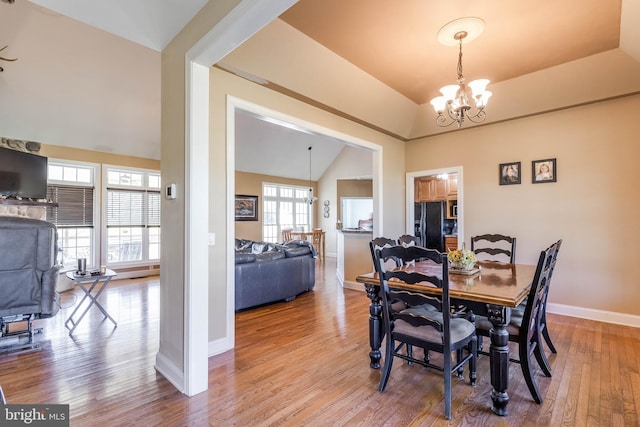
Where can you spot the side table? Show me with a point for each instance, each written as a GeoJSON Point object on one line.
{"type": "Point", "coordinates": [88, 284]}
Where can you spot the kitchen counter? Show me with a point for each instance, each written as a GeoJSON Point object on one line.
{"type": "Point", "coordinates": [356, 230]}
{"type": "Point", "coordinates": [353, 256]}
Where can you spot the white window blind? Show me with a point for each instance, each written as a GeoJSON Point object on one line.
{"type": "Point", "coordinates": [125, 208]}
{"type": "Point", "coordinates": [75, 206]}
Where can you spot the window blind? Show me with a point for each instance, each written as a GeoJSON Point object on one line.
{"type": "Point", "coordinates": [133, 208]}
{"type": "Point", "coordinates": [75, 206]}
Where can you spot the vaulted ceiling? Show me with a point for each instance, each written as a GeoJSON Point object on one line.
{"type": "Point", "coordinates": [88, 71]}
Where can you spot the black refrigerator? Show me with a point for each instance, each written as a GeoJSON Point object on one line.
{"type": "Point", "coordinates": [430, 224]}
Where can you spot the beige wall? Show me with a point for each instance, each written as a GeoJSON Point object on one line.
{"type": "Point", "coordinates": [352, 162]}
{"type": "Point", "coordinates": [67, 153]}
{"type": "Point", "coordinates": [593, 207]}
{"type": "Point", "coordinates": [251, 184]}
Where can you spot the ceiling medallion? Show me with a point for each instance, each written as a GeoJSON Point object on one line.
{"type": "Point", "coordinates": [453, 105]}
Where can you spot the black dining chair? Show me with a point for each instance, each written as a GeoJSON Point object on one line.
{"type": "Point", "coordinates": [524, 327]}
{"type": "Point", "coordinates": [408, 240]}
{"type": "Point", "coordinates": [494, 247]}
{"type": "Point", "coordinates": [426, 321]}
{"type": "Point", "coordinates": [379, 243]}
{"type": "Point", "coordinates": [518, 311]}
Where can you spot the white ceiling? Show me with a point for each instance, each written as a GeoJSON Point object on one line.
{"type": "Point", "coordinates": [271, 148]}
{"type": "Point", "coordinates": [82, 87]}
{"type": "Point", "coordinates": [151, 23]}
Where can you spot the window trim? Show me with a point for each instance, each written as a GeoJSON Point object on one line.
{"type": "Point", "coordinates": [95, 176]}
{"type": "Point", "coordinates": [310, 212]}
{"type": "Point", "coordinates": [105, 188]}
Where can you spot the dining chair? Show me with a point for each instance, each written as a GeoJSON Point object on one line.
{"type": "Point", "coordinates": [494, 247]}
{"type": "Point", "coordinates": [316, 239]}
{"type": "Point", "coordinates": [524, 328]}
{"type": "Point", "coordinates": [431, 329]}
{"type": "Point", "coordinates": [379, 243]}
{"type": "Point", "coordinates": [408, 240]}
{"type": "Point", "coordinates": [543, 321]}
{"type": "Point", "coordinates": [519, 311]}
{"type": "Point", "coordinates": [286, 234]}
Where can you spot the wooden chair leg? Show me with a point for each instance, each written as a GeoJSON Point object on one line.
{"type": "Point", "coordinates": [447, 385]}
{"type": "Point", "coordinates": [527, 372]}
{"type": "Point", "coordinates": [388, 362]}
{"type": "Point", "coordinates": [547, 338]}
{"type": "Point", "coordinates": [472, 362]}
{"type": "Point", "coordinates": [459, 356]}
{"type": "Point", "coordinates": [538, 351]}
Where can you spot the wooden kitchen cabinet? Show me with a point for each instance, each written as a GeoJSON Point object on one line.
{"type": "Point", "coordinates": [452, 190]}
{"type": "Point", "coordinates": [450, 243]}
{"type": "Point", "coordinates": [429, 189]}
{"type": "Point", "coordinates": [440, 189]}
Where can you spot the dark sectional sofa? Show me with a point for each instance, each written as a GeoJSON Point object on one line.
{"type": "Point", "coordinates": [269, 272]}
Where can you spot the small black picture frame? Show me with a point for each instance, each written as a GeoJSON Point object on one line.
{"type": "Point", "coordinates": [246, 208]}
{"type": "Point", "coordinates": [510, 173]}
{"type": "Point", "coordinates": [543, 171]}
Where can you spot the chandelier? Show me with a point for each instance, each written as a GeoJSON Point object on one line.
{"type": "Point", "coordinates": [2, 58]}
{"type": "Point", "coordinates": [310, 199]}
{"type": "Point", "coordinates": [453, 106]}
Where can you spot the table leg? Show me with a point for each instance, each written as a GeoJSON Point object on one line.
{"type": "Point", "coordinates": [70, 323]}
{"type": "Point", "coordinates": [375, 325]}
{"type": "Point", "coordinates": [97, 303]}
{"type": "Point", "coordinates": [499, 354]}
{"type": "Point", "coordinates": [87, 294]}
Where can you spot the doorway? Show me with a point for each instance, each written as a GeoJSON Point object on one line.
{"type": "Point", "coordinates": [449, 206]}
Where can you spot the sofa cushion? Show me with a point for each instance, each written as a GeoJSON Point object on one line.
{"type": "Point", "coordinates": [269, 256]}
{"type": "Point", "coordinates": [297, 251]}
{"type": "Point", "coordinates": [243, 245]}
{"type": "Point", "coordinates": [242, 258]}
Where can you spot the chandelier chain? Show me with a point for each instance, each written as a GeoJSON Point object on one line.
{"type": "Point", "coordinates": [460, 76]}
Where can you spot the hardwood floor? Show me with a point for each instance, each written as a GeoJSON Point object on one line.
{"type": "Point", "coordinates": [306, 363]}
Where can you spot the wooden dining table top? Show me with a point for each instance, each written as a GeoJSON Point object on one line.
{"type": "Point", "coordinates": [304, 233]}
{"type": "Point", "coordinates": [496, 283]}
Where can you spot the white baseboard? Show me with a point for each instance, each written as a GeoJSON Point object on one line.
{"type": "Point", "coordinates": [593, 314]}
{"type": "Point", "coordinates": [220, 346]}
{"type": "Point", "coordinates": [170, 371]}
{"type": "Point", "coordinates": [134, 274]}
{"type": "Point", "coordinates": [348, 284]}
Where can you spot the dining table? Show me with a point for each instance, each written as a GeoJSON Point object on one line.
{"type": "Point", "coordinates": [492, 289]}
{"type": "Point", "coordinates": [307, 235]}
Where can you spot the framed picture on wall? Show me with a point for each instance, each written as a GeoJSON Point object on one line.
{"type": "Point", "coordinates": [543, 171]}
{"type": "Point", "coordinates": [246, 208]}
{"type": "Point", "coordinates": [510, 173]}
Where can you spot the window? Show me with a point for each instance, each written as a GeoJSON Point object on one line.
{"type": "Point", "coordinates": [283, 207]}
{"type": "Point", "coordinates": [132, 215]}
{"type": "Point", "coordinates": [71, 186]}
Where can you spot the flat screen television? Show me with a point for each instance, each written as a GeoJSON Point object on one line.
{"type": "Point", "coordinates": [22, 174]}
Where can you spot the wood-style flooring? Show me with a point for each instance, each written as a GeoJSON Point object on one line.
{"type": "Point", "coordinates": [305, 363]}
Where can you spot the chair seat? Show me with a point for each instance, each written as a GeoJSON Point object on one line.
{"type": "Point", "coordinates": [461, 329]}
